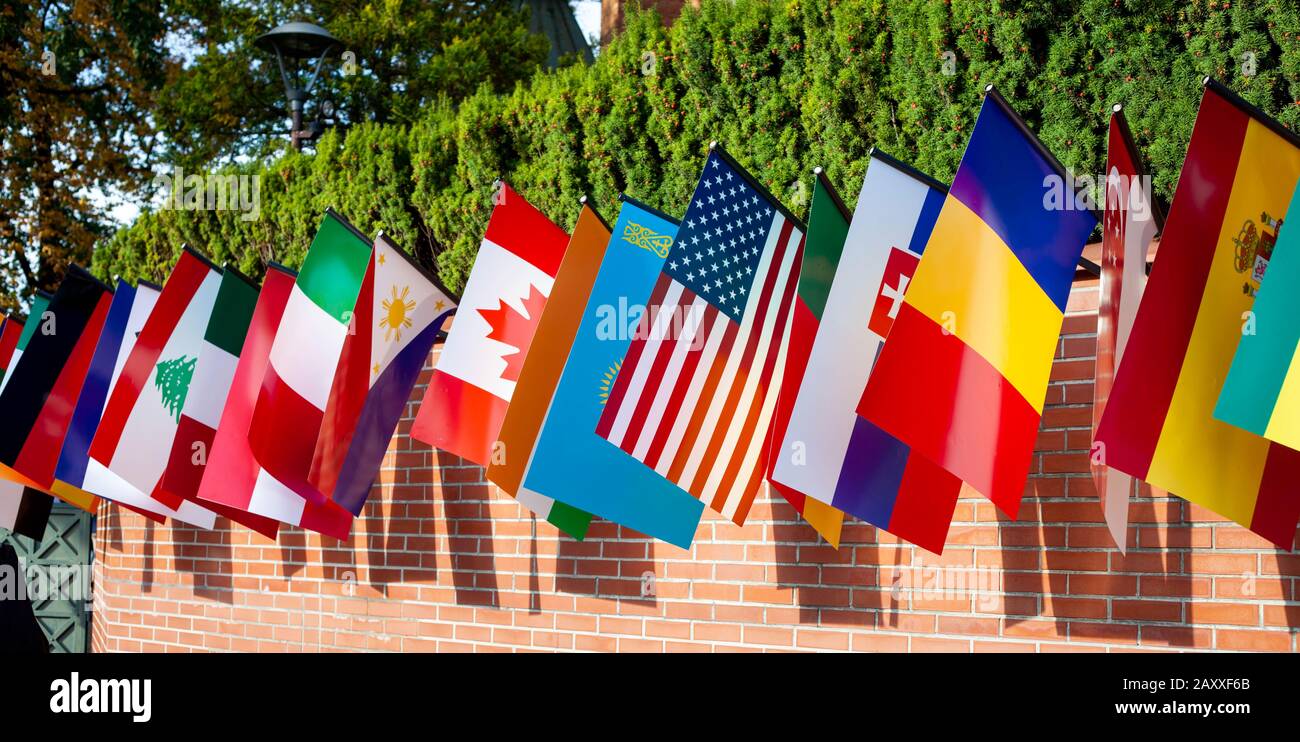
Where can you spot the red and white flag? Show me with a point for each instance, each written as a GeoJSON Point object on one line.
{"type": "Point", "coordinates": [232, 477]}
{"type": "Point", "coordinates": [133, 441]}
{"type": "Point", "coordinates": [291, 406]}
{"type": "Point", "coordinates": [1129, 225]}
{"type": "Point", "coordinates": [480, 362]}
{"type": "Point", "coordinates": [695, 395]}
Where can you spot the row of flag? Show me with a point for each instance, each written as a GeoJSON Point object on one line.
{"type": "Point", "coordinates": [212, 395]}
{"type": "Point", "coordinates": [876, 363]}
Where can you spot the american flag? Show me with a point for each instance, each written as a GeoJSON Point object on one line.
{"type": "Point", "coordinates": [694, 397]}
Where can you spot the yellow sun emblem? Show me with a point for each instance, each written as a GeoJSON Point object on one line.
{"type": "Point", "coordinates": [397, 314]}
{"type": "Point", "coordinates": [607, 381]}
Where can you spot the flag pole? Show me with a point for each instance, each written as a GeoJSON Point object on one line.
{"type": "Point", "coordinates": [991, 93]}
{"type": "Point", "coordinates": [716, 146]}
{"type": "Point", "coordinates": [907, 169]}
{"type": "Point", "coordinates": [820, 175]}
{"type": "Point", "coordinates": [586, 202]}
{"type": "Point", "coordinates": [623, 197]}
{"type": "Point", "coordinates": [1126, 134]}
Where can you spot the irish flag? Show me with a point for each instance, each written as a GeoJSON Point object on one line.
{"type": "Point", "coordinates": [213, 374]}
{"type": "Point", "coordinates": [133, 441]}
{"type": "Point", "coordinates": [232, 479]}
{"type": "Point", "coordinates": [399, 314]}
{"type": "Point", "coordinates": [296, 390]}
{"type": "Point", "coordinates": [480, 364]}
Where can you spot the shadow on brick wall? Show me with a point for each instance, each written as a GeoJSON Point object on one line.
{"type": "Point", "coordinates": [206, 556]}
{"type": "Point", "coordinates": [828, 586]}
{"type": "Point", "coordinates": [611, 563]}
{"type": "Point", "coordinates": [467, 514]}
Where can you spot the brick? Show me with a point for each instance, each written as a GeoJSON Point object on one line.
{"type": "Point", "coordinates": [443, 562]}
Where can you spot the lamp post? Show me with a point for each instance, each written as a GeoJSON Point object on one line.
{"type": "Point", "coordinates": [299, 43]}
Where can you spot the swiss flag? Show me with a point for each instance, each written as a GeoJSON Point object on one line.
{"type": "Point", "coordinates": [893, 284]}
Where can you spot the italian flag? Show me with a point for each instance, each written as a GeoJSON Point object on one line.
{"type": "Point", "coordinates": [399, 313]}
{"type": "Point", "coordinates": [296, 389]}
{"type": "Point", "coordinates": [237, 482]}
{"type": "Point", "coordinates": [133, 441]}
{"type": "Point", "coordinates": [213, 374]}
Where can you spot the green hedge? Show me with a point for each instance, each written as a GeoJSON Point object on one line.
{"type": "Point", "coordinates": [785, 85]}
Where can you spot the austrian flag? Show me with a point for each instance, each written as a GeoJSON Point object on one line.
{"type": "Point", "coordinates": [291, 407]}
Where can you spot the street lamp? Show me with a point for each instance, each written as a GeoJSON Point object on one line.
{"type": "Point", "coordinates": [298, 42]}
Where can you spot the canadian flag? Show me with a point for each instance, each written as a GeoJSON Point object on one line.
{"type": "Point", "coordinates": [476, 374]}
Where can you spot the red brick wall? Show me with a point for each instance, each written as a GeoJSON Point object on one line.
{"type": "Point", "coordinates": [441, 561]}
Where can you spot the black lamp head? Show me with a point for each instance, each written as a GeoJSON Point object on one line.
{"type": "Point", "coordinates": [298, 40]}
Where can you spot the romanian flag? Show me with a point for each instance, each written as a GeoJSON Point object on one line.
{"type": "Point", "coordinates": [232, 477]}
{"type": "Point", "coordinates": [828, 226]}
{"type": "Point", "coordinates": [541, 372]}
{"type": "Point", "coordinates": [1159, 423]}
{"type": "Point", "coordinates": [291, 406]}
{"type": "Point", "coordinates": [1262, 391]}
{"type": "Point", "coordinates": [830, 452]}
{"type": "Point", "coordinates": [963, 376]}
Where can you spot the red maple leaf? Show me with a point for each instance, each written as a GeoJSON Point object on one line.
{"type": "Point", "coordinates": [515, 329]}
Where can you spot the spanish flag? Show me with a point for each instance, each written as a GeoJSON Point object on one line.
{"type": "Point", "coordinates": [962, 377]}
{"type": "Point", "coordinates": [1262, 392]}
{"type": "Point", "coordinates": [1159, 423]}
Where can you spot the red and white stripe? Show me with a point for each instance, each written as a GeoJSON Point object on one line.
{"type": "Point", "coordinates": [696, 393]}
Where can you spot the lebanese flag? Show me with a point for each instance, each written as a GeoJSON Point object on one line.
{"type": "Point", "coordinates": [399, 314]}
{"type": "Point", "coordinates": [133, 441]}
{"type": "Point", "coordinates": [75, 477]}
{"type": "Point", "coordinates": [213, 374]}
{"type": "Point", "coordinates": [291, 406]}
{"type": "Point", "coordinates": [232, 479]}
{"type": "Point", "coordinates": [480, 363]}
